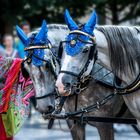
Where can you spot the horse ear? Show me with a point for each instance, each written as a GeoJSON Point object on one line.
{"type": "Point", "coordinates": [42, 35]}
{"type": "Point", "coordinates": [90, 25]}
{"type": "Point", "coordinates": [69, 21]}
{"type": "Point", "coordinates": [22, 36]}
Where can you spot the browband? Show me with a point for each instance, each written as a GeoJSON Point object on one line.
{"type": "Point", "coordinates": [83, 33]}
{"type": "Point", "coordinates": [38, 47]}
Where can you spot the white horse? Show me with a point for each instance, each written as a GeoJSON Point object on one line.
{"type": "Point", "coordinates": [41, 63]}
{"type": "Point", "coordinates": [118, 50]}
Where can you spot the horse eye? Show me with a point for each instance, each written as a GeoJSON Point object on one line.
{"type": "Point", "coordinates": [85, 50]}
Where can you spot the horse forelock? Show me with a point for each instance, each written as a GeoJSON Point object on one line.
{"type": "Point", "coordinates": [123, 46]}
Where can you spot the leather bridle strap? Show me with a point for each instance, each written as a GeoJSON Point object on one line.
{"type": "Point", "coordinates": [83, 33]}
{"type": "Point", "coordinates": [47, 95]}
{"type": "Point", "coordinates": [38, 47]}
{"type": "Point", "coordinates": [70, 73]}
{"type": "Point", "coordinates": [90, 57]}
{"type": "Point", "coordinates": [52, 69]}
{"type": "Point", "coordinates": [84, 69]}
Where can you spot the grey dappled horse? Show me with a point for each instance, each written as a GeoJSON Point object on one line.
{"type": "Point", "coordinates": [41, 63]}
{"type": "Point", "coordinates": [47, 82]}
{"type": "Point", "coordinates": [93, 93]}
{"type": "Point", "coordinates": [118, 50]}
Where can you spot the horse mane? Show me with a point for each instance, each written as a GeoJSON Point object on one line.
{"type": "Point", "coordinates": [52, 27]}
{"type": "Point", "coordinates": [124, 47]}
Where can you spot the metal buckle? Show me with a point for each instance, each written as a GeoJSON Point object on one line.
{"type": "Point", "coordinates": [83, 79]}
{"type": "Point", "coordinates": [78, 88]}
{"type": "Point", "coordinates": [120, 91]}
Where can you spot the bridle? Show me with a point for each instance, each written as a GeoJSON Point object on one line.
{"type": "Point", "coordinates": [92, 54]}
{"type": "Point", "coordinates": [31, 53]}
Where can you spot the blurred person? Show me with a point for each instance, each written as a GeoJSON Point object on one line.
{"type": "Point", "coordinates": [19, 45]}
{"type": "Point", "coordinates": [8, 42]}
{"type": "Point", "coordinates": [2, 51]}
{"type": "Point", "coordinates": [25, 27]}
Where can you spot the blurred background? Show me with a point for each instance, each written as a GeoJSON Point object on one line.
{"type": "Point", "coordinates": [32, 12]}
{"type": "Point", "coordinates": [28, 14]}
{"type": "Point", "coordinates": [14, 12]}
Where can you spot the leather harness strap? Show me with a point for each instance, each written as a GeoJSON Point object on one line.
{"type": "Point", "coordinates": [47, 95]}
{"type": "Point", "coordinates": [128, 89]}
{"type": "Point", "coordinates": [37, 47]}
{"type": "Point", "coordinates": [83, 33]}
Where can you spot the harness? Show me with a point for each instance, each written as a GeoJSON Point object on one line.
{"type": "Point", "coordinates": [83, 81]}
{"type": "Point", "coordinates": [134, 86]}
{"type": "Point", "coordinates": [78, 115]}
{"type": "Point", "coordinates": [49, 63]}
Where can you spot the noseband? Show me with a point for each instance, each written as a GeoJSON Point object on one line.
{"type": "Point", "coordinates": [92, 54]}
{"type": "Point", "coordinates": [29, 59]}
{"type": "Point", "coordinates": [47, 95]}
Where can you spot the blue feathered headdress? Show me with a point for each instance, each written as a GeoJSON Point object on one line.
{"type": "Point", "coordinates": [87, 28]}
{"type": "Point", "coordinates": [39, 39]}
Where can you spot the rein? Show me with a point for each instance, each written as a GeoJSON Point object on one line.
{"type": "Point", "coordinates": [79, 115]}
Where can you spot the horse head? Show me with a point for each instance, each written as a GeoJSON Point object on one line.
{"type": "Point", "coordinates": [41, 65]}
{"type": "Point", "coordinates": [78, 56]}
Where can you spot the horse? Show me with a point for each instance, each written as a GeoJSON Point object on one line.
{"type": "Point", "coordinates": [94, 92]}
{"type": "Point", "coordinates": [48, 79]}
{"type": "Point", "coordinates": [41, 63]}
{"type": "Point", "coordinates": [107, 45]}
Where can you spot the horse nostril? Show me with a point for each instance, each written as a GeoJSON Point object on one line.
{"type": "Point", "coordinates": [50, 108]}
